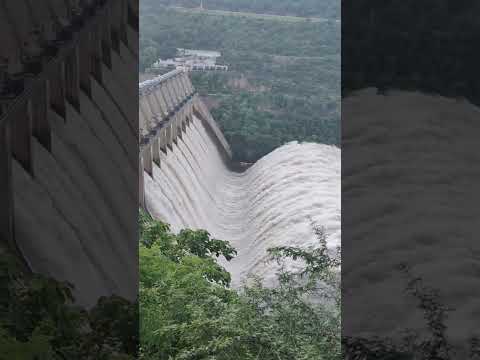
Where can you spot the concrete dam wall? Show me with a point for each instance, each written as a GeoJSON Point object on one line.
{"type": "Point", "coordinates": [188, 181]}
{"type": "Point", "coordinates": [69, 139]}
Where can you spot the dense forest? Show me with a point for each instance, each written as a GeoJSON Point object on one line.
{"type": "Point", "coordinates": [188, 310]}
{"type": "Point", "coordinates": [304, 8]}
{"type": "Point", "coordinates": [283, 82]}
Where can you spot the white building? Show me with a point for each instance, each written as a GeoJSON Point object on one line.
{"type": "Point", "coordinates": [200, 54]}
{"type": "Point", "coordinates": [193, 60]}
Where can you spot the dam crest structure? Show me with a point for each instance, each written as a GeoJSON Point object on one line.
{"type": "Point", "coordinates": [188, 180]}
{"type": "Point", "coordinates": [167, 106]}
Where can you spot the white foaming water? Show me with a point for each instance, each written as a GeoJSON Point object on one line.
{"type": "Point", "coordinates": [411, 167]}
{"type": "Point", "coordinates": [272, 203]}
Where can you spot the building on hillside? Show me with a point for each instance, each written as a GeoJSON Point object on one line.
{"type": "Point", "coordinates": [199, 54]}
{"type": "Point", "coordinates": [192, 60]}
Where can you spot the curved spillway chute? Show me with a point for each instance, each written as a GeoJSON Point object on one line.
{"type": "Point", "coordinates": [272, 203]}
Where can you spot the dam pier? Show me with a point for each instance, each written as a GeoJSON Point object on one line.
{"type": "Point", "coordinates": [167, 105]}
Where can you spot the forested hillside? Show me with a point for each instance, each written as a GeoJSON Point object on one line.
{"type": "Point", "coordinates": [306, 8]}
{"type": "Point", "coordinates": [284, 78]}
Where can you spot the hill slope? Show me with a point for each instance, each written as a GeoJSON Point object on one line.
{"type": "Point", "coordinates": [284, 78]}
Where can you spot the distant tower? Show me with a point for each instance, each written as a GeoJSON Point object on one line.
{"type": "Point", "coordinates": [201, 4]}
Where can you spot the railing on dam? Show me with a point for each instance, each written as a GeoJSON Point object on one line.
{"type": "Point", "coordinates": [51, 50]}
{"type": "Point", "coordinates": [161, 103]}
{"type": "Point", "coordinates": [167, 105]}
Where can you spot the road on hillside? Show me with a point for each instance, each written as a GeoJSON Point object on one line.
{"type": "Point", "coordinates": [286, 18]}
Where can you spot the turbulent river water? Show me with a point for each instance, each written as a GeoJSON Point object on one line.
{"type": "Point", "coordinates": [272, 203]}
{"type": "Point", "coordinates": [410, 194]}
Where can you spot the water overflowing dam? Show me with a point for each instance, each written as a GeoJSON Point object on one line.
{"type": "Point", "coordinates": [414, 170]}
{"type": "Point", "coordinates": [274, 202]}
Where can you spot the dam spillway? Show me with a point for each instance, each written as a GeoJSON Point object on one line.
{"type": "Point", "coordinates": [272, 203]}
{"type": "Point", "coordinates": [69, 139]}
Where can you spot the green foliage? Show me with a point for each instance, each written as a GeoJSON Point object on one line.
{"type": "Point", "coordinates": [166, 29]}
{"type": "Point", "coordinates": [318, 262]}
{"type": "Point", "coordinates": [148, 54]}
{"type": "Point", "coordinates": [114, 320]}
{"type": "Point", "coordinates": [187, 310]}
{"type": "Point", "coordinates": [40, 321]}
{"type": "Point", "coordinates": [309, 8]}
{"type": "Point", "coordinates": [182, 288]}
{"type": "Point", "coordinates": [283, 82]}
{"type": "Point", "coordinates": [254, 129]}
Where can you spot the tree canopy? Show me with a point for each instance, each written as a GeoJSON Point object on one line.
{"type": "Point", "coordinates": [305, 8]}
{"type": "Point", "coordinates": [188, 310]}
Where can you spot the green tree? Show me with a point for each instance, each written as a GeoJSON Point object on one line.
{"type": "Point", "coordinates": [148, 56]}
{"type": "Point", "coordinates": [188, 311]}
